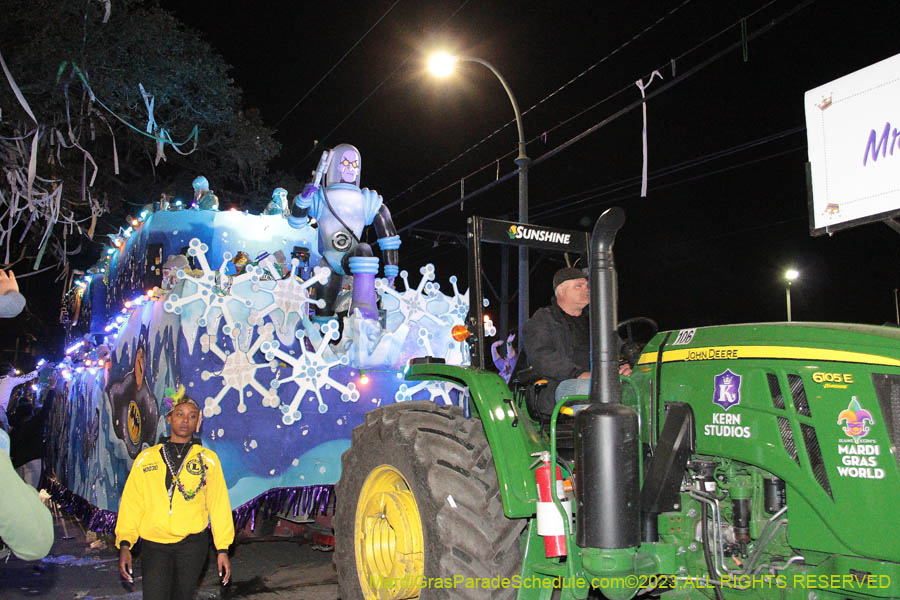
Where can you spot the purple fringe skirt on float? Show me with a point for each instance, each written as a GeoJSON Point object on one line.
{"type": "Point", "coordinates": [306, 500]}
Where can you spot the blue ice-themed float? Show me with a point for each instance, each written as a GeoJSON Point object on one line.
{"type": "Point", "coordinates": [222, 303]}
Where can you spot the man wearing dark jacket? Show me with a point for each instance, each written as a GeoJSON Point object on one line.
{"type": "Point", "coordinates": [558, 343]}
{"type": "Point", "coordinates": [28, 438]}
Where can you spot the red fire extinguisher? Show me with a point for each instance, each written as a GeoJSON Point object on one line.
{"type": "Point", "coordinates": [549, 521]}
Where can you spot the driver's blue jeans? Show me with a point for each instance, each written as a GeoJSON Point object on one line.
{"type": "Point", "coordinates": [573, 387]}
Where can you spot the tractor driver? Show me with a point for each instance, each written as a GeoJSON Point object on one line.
{"type": "Point", "coordinates": [557, 341]}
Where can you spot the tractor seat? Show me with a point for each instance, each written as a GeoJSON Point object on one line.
{"type": "Point", "coordinates": [526, 384]}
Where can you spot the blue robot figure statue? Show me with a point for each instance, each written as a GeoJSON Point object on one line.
{"type": "Point", "coordinates": [341, 211]}
{"type": "Point", "coordinates": [204, 197]}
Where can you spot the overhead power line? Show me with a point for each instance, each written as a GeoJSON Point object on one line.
{"type": "Point", "coordinates": [616, 186]}
{"type": "Point", "coordinates": [626, 88]}
{"type": "Point", "coordinates": [322, 139]}
{"type": "Point", "coordinates": [572, 80]}
{"type": "Point", "coordinates": [621, 112]}
{"type": "Point", "coordinates": [576, 206]}
{"type": "Point", "coordinates": [335, 65]}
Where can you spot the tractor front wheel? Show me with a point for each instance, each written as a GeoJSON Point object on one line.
{"type": "Point", "coordinates": [419, 512]}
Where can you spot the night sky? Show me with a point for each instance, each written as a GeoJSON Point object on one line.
{"type": "Point", "coordinates": [726, 211]}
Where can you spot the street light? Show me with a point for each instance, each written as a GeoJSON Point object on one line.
{"type": "Point", "coordinates": [790, 275]}
{"type": "Point", "coordinates": [442, 65]}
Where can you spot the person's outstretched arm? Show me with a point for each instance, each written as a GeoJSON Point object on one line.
{"type": "Point", "coordinates": [26, 525]}
{"type": "Point", "coordinates": [11, 301]}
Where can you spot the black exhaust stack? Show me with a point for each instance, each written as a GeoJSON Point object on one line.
{"type": "Point", "coordinates": [605, 386]}
{"type": "Point", "coordinates": [606, 432]}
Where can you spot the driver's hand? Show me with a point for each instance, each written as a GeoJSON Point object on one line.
{"type": "Point", "coordinates": [625, 369]}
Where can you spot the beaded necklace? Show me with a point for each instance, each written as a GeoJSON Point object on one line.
{"type": "Point", "coordinates": [187, 495]}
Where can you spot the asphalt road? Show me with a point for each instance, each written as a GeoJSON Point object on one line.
{"type": "Point", "coordinates": [261, 570]}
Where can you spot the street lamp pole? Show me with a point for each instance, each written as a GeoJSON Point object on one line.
{"type": "Point", "coordinates": [787, 293]}
{"type": "Point", "coordinates": [896, 306]}
{"type": "Point", "coordinates": [790, 275]}
{"type": "Point", "coordinates": [522, 161]}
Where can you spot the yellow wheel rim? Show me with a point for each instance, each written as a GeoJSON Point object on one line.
{"type": "Point", "coordinates": [390, 550]}
{"type": "Point", "coordinates": [134, 422]}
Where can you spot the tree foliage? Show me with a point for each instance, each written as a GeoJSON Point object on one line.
{"type": "Point", "coordinates": [81, 73]}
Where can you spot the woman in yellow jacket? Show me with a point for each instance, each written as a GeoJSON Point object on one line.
{"type": "Point", "coordinates": [175, 489]}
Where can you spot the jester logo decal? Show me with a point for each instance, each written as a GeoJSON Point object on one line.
{"type": "Point", "coordinates": [854, 418]}
{"type": "Point", "coordinates": [728, 389]}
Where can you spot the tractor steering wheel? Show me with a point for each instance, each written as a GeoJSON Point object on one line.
{"type": "Point", "coordinates": [632, 343]}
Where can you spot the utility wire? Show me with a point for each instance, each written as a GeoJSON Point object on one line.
{"type": "Point", "coordinates": [335, 65]}
{"type": "Point", "coordinates": [627, 87]}
{"type": "Point", "coordinates": [672, 169]}
{"type": "Point", "coordinates": [319, 142]}
{"type": "Point", "coordinates": [434, 253]}
{"type": "Point", "coordinates": [576, 206]}
{"type": "Point", "coordinates": [621, 47]}
{"type": "Point", "coordinates": [621, 112]}
{"type": "Point", "coordinates": [455, 184]}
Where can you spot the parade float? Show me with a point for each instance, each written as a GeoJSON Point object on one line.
{"type": "Point", "coordinates": [224, 303]}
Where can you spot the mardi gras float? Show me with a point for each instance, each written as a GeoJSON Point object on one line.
{"type": "Point", "coordinates": [283, 346]}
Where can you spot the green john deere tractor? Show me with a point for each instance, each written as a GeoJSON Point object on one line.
{"type": "Point", "coordinates": [744, 461]}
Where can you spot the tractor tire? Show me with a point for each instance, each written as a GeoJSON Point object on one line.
{"type": "Point", "coordinates": [419, 498]}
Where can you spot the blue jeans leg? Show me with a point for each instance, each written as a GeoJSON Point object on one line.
{"type": "Point", "coordinates": [573, 387]}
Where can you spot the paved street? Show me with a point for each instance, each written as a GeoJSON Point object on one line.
{"type": "Point", "coordinates": [262, 570]}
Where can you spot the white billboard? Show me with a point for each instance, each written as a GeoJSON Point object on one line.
{"type": "Point", "coordinates": [853, 131]}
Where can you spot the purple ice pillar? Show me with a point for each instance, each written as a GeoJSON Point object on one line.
{"type": "Point", "coordinates": [364, 269]}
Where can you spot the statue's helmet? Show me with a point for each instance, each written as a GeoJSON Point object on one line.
{"type": "Point", "coordinates": [201, 183]}
{"type": "Point", "coordinates": [279, 196]}
{"type": "Point", "coordinates": [345, 166]}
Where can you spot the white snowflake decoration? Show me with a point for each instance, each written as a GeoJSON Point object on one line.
{"type": "Point", "coordinates": [459, 304]}
{"type": "Point", "coordinates": [310, 372]}
{"type": "Point", "coordinates": [238, 372]}
{"type": "Point", "coordinates": [412, 302]}
{"type": "Point", "coordinates": [289, 296]}
{"type": "Point", "coordinates": [435, 389]}
{"type": "Point", "coordinates": [215, 302]}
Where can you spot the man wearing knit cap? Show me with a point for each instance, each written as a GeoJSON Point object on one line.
{"type": "Point", "coordinates": [557, 340]}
